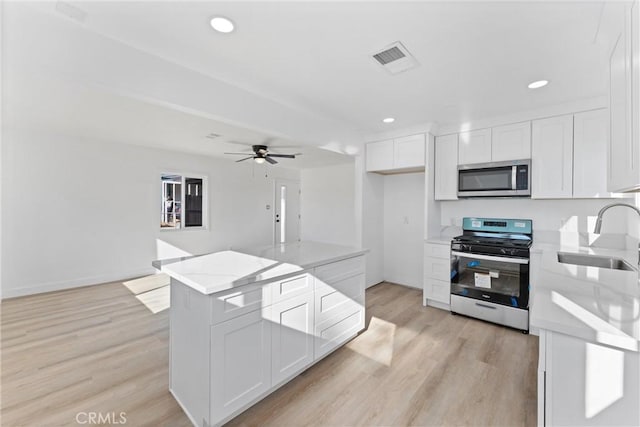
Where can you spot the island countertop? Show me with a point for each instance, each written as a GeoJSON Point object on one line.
{"type": "Point", "coordinates": [596, 304]}
{"type": "Point", "coordinates": [224, 270]}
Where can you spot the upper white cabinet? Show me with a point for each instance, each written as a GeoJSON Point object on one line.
{"type": "Point", "coordinates": [511, 142]}
{"type": "Point", "coordinates": [380, 155]}
{"type": "Point", "coordinates": [590, 136]}
{"type": "Point", "coordinates": [624, 107]}
{"type": "Point", "coordinates": [474, 147]}
{"type": "Point", "coordinates": [396, 155]}
{"type": "Point", "coordinates": [409, 152]}
{"type": "Point", "coordinates": [552, 158]}
{"type": "Point", "coordinates": [446, 167]}
{"type": "Point", "coordinates": [500, 143]}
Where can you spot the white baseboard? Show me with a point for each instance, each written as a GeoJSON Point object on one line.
{"type": "Point", "coordinates": [440, 305]}
{"type": "Point", "coordinates": [60, 285]}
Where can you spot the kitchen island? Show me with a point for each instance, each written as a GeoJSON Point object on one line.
{"type": "Point", "coordinates": [589, 323]}
{"type": "Point", "coordinates": [245, 322]}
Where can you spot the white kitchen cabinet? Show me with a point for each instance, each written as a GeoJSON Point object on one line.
{"type": "Point", "coordinates": [511, 142]}
{"type": "Point", "coordinates": [552, 158]}
{"type": "Point", "coordinates": [291, 336]}
{"type": "Point", "coordinates": [590, 141]}
{"type": "Point", "coordinates": [333, 332]}
{"type": "Point", "coordinates": [228, 349]}
{"type": "Point", "coordinates": [635, 85]}
{"type": "Point", "coordinates": [396, 155]}
{"type": "Point", "coordinates": [624, 108]}
{"type": "Point", "coordinates": [409, 152]}
{"type": "Point", "coordinates": [582, 383]}
{"type": "Point", "coordinates": [474, 147]}
{"type": "Point", "coordinates": [437, 275]}
{"type": "Point", "coordinates": [501, 143]}
{"type": "Point", "coordinates": [339, 304]}
{"type": "Point", "coordinates": [380, 156]}
{"type": "Point", "coordinates": [446, 167]}
{"type": "Point", "coordinates": [240, 361]}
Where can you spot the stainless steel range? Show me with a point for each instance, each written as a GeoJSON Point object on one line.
{"type": "Point", "coordinates": [490, 271]}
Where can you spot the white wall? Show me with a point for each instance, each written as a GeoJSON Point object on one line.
{"type": "Point", "coordinates": [82, 212]}
{"type": "Point", "coordinates": [404, 228]}
{"type": "Point", "coordinates": [373, 226]}
{"type": "Point", "coordinates": [547, 215]}
{"type": "Point", "coordinates": [327, 205]}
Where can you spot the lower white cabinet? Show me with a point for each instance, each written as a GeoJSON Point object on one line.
{"type": "Point", "coordinates": [232, 348]}
{"type": "Point", "coordinates": [437, 290]}
{"type": "Point", "coordinates": [582, 383]}
{"type": "Point", "coordinates": [291, 337]}
{"type": "Point", "coordinates": [240, 361]}
{"type": "Point", "coordinates": [437, 275]}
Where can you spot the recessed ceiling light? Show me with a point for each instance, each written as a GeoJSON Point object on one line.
{"type": "Point", "coordinates": [389, 120]}
{"type": "Point", "coordinates": [221, 24]}
{"type": "Point", "coordinates": [538, 84]}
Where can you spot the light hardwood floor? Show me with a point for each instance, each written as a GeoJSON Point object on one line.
{"type": "Point", "coordinates": [99, 349]}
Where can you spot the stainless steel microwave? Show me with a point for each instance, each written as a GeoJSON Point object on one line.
{"type": "Point", "coordinates": [498, 179]}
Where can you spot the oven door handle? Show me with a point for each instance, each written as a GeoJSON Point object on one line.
{"type": "Point", "coordinates": [491, 258]}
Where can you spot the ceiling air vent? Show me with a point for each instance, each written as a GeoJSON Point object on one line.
{"type": "Point", "coordinates": [395, 58]}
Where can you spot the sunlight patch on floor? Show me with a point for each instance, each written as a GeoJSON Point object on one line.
{"type": "Point", "coordinates": [152, 291]}
{"type": "Point", "coordinates": [376, 343]}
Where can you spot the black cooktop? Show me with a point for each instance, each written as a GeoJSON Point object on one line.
{"type": "Point", "coordinates": [494, 239]}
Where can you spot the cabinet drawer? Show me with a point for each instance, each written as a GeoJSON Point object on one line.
{"type": "Point", "coordinates": [291, 287]}
{"type": "Point", "coordinates": [434, 250]}
{"type": "Point", "coordinates": [438, 268]}
{"type": "Point", "coordinates": [334, 331]}
{"type": "Point", "coordinates": [437, 290]}
{"type": "Point", "coordinates": [336, 271]}
{"type": "Point", "coordinates": [348, 294]}
{"type": "Point", "coordinates": [235, 302]}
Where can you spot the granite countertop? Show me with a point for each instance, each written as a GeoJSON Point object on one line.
{"type": "Point", "coordinates": [596, 304]}
{"type": "Point", "coordinates": [444, 236]}
{"type": "Point", "coordinates": [224, 270]}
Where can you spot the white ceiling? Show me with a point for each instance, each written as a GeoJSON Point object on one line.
{"type": "Point", "coordinates": [37, 102]}
{"type": "Point", "coordinates": [476, 59]}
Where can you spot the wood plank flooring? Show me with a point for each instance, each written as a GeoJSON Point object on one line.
{"type": "Point", "coordinates": [99, 349]}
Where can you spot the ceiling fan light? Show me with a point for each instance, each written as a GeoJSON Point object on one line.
{"type": "Point", "coordinates": [259, 160]}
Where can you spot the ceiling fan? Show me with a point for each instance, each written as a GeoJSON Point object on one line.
{"type": "Point", "coordinates": [261, 154]}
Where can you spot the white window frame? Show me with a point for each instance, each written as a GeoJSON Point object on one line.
{"type": "Point", "coordinates": [183, 192]}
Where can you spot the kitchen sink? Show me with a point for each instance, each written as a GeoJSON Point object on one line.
{"type": "Point", "coordinates": [594, 261]}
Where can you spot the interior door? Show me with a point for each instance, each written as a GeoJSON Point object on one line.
{"type": "Point", "coordinates": [287, 211]}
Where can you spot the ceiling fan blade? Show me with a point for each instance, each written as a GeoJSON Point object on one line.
{"type": "Point", "coordinates": [286, 156]}
{"type": "Point", "coordinates": [270, 160]}
{"type": "Point", "coordinates": [241, 154]}
{"type": "Point", "coordinates": [246, 158]}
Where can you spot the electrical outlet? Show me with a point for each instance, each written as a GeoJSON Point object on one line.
{"type": "Point", "coordinates": [406, 220]}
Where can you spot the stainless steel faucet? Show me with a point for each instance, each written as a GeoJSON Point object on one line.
{"type": "Point", "coordinates": [598, 226]}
